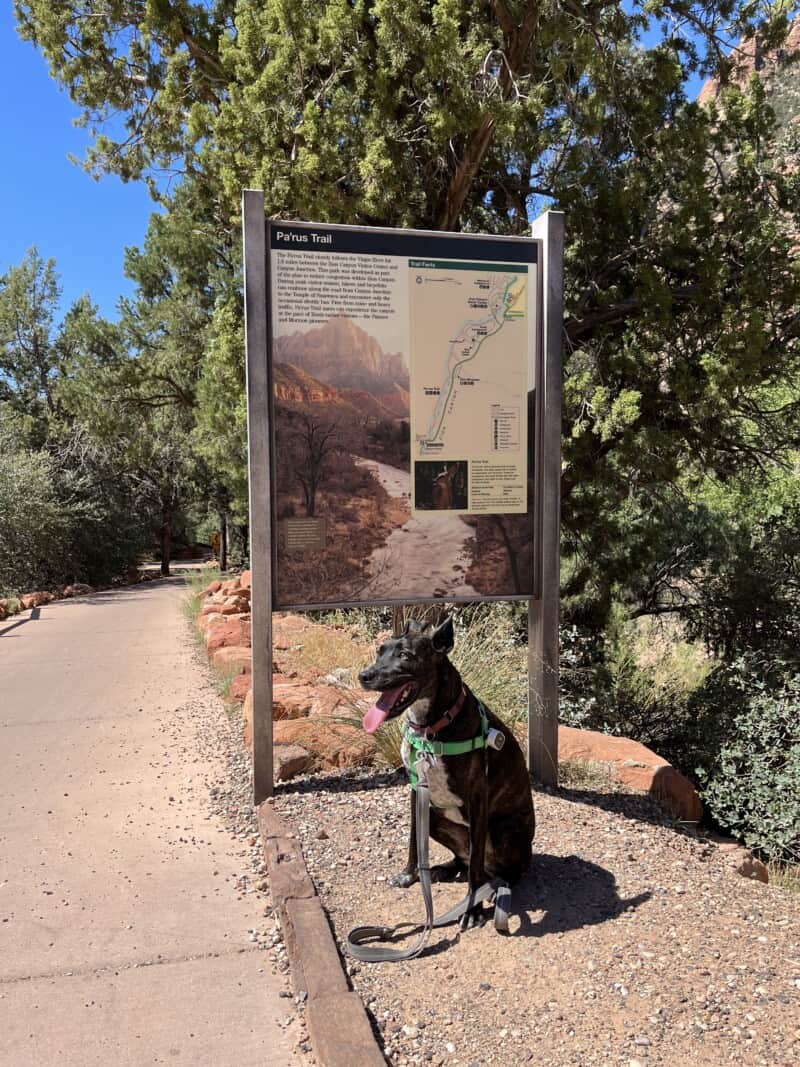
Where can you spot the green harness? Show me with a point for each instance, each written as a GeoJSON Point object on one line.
{"type": "Point", "coordinates": [419, 745]}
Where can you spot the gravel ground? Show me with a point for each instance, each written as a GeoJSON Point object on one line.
{"type": "Point", "coordinates": [632, 942]}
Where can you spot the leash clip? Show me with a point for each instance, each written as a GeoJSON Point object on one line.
{"type": "Point", "coordinates": [423, 761]}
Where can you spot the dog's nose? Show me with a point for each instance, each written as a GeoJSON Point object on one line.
{"type": "Point", "coordinates": [365, 677]}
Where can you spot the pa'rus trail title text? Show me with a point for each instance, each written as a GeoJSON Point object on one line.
{"type": "Point", "coordinates": [304, 238]}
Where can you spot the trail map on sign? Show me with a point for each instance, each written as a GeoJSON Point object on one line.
{"type": "Point", "coordinates": [469, 372]}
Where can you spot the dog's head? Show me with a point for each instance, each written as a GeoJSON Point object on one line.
{"type": "Point", "coordinates": [406, 668]}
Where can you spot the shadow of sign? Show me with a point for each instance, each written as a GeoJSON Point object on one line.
{"type": "Point", "coordinates": [34, 615]}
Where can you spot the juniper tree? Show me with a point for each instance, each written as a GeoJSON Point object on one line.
{"type": "Point", "coordinates": [682, 283]}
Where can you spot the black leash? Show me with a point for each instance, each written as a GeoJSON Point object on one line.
{"type": "Point", "coordinates": [498, 891]}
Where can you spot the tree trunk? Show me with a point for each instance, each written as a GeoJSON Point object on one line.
{"type": "Point", "coordinates": [166, 542]}
{"type": "Point", "coordinates": [223, 541]}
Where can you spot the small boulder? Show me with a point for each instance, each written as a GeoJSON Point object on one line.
{"type": "Point", "coordinates": [233, 606]}
{"type": "Point", "coordinates": [210, 607]}
{"type": "Point", "coordinates": [636, 766]}
{"type": "Point", "coordinates": [76, 589]}
{"type": "Point", "coordinates": [330, 744]}
{"type": "Point", "coordinates": [290, 760]}
{"type": "Point", "coordinates": [35, 600]}
{"type": "Point", "coordinates": [232, 660]}
{"type": "Point", "coordinates": [747, 865]}
{"type": "Point", "coordinates": [213, 587]}
{"type": "Point", "coordinates": [230, 631]}
{"type": "Point", "coordinates": [239, 687]}
{"type": "Point", "coordinates": [294, 700]}
{"type": "Point", "coordinates": [205, 622]}
{"type": "Point", "coordinates": [244, 579]}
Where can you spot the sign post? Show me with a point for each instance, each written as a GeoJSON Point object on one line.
{"type": "Point", "coordinates": [403, 425]}
{"type": "Point", "coordinates": [259, 444]}
{"type": "Point", "coordinates": [543, 612]}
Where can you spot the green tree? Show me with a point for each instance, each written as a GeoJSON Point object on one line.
{"type": "Point", "coordinates": [29, 356]}
{"type": "Point", "coordinates": [33, 526]}
{"type": "Point", "coordinates": [682, 284]}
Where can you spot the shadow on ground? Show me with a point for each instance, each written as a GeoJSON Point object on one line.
{"type": "Point", "coordinates": [571, 892]}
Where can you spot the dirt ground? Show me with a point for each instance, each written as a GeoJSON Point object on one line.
{"type": "Point", "coordinates": [631, 942]}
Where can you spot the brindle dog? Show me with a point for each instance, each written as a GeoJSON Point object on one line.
{"type": "Point", "coordinates": [481, 803]}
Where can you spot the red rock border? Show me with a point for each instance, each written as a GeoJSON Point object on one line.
{"type": "Point", "coordinates": [308, 738]}
{"type": "Point", "coordinates": [338, 1025]}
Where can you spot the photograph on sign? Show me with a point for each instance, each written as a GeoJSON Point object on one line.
{"type": "Point", "coordinates": [402, 369]}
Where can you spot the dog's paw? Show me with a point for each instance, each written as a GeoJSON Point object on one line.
{"type": "Point", "coordinates": [449, 872]}
{"type": "Point", "coordinates": [403, 879]}
{"type": "Point", "coordinates": [472, 919]}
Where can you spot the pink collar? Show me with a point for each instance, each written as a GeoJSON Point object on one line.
{"type": "Point", "coordinates": [431, 731]}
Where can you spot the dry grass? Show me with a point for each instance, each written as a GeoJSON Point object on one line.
{"type": "Point", "coordinates": [784, 876]}
{"type": "Point", "coordinates": [585, 774]}
{"type": "Point", "coordinates": [493, 664]}
{"type": "Point", "coordinates": [325, 649]}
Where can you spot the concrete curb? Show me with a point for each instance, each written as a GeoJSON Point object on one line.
{"type": "Point", "coordinates": [338, 1026]}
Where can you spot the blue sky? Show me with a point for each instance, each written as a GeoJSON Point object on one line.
{"type": "Point", "coordinates": [49, 202]}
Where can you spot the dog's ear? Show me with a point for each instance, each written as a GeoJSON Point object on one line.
{"type": "Point", "coordinates": [443, 637]}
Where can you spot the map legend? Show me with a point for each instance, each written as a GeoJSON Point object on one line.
{"type": "Point", "coordinates": [505, 428]}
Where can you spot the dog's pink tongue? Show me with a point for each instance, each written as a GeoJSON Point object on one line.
{"type": "Point", "coordinates": [379, 712]}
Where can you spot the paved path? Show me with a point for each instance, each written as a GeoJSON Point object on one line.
{"type": "Point", "coordinates": [123, 940]}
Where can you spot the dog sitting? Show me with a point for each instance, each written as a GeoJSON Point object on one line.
{"type": "Point", "coordinates": [481, 803]}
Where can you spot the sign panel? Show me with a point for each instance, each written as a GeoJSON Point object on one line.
{"type": "Point", "coordinates": [403, 373]}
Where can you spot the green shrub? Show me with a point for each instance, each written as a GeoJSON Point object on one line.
{"type": "Point", "coordinates": [749, 718]}
{"type": "Point", "coordinates": [636, 682]}
{"type": "Point", "coordinates": [34, 531]}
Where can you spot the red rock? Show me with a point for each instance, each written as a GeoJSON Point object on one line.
{"type": "Point", "coordinates": [290, 760]}
{"type": "Point", "coordinates": [210, 607]}
{"type": "Point", "coordinates": [240, 687]}
{"type": "Point", "coordinates": [247, 715]}
{"type": "Point", "coordinates": [232, 607]}
{"type": "Point", "coordinates": [230, 631]}
{"type": "Point", "coordinates": [35, 600]}
{"type": "Point", "coordinates": [205, 622]}
{"type": "Point", "coordinates": [244, 579]}
{"type": "Point", "coordinates": [3, 608]}
{"type": "Point", "coordinates": [329, 744]}
{"type": "Point", "coordinates": [674, 792]}
{"type": "Point", "coordinates": [78, 589]}
{"type": "Point", "coordinates": [746, 865]}
{"type": "Point", "coordinates": [634, 765]}
{"type": "Point", "coordinates": [294, 700]}
{"type": "Point", "coordinates": [214, 587]}
{"type": "Point", "coordinates": [602, 748]}
{"type": "Point", "coordinates": [232, 660]}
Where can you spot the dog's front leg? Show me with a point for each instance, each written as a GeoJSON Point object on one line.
{"type": "Point", "coordinates": [403, 879]}
{"type": "Point", "coordinates": [478, 828]}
